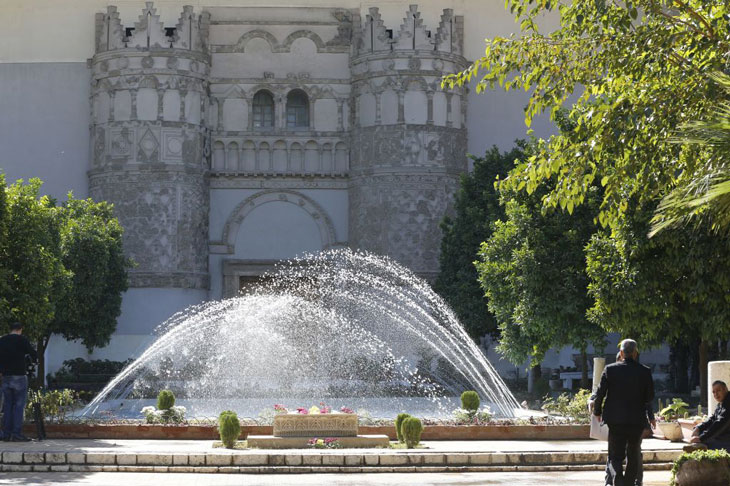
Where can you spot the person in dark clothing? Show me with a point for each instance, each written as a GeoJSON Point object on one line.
{"type": "Point", "coordinates": [627, 387]}
{"type": "Point", "coordinates": [714, 433]}
{"type": "Point", "coordinates": [14, 348]}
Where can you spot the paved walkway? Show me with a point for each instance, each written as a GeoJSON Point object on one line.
{"type": "Point", "coordinates": [579, 478]}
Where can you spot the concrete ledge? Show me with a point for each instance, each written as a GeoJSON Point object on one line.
{"type": "Point", "coordinates": [273, 442]}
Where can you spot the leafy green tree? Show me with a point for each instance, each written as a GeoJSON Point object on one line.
{"type": "Point", "coordinates": [533, 271]}
{"type": "Point", "coordinates": [92, 251]}
{"type": "Point", "coordinates": [476, 209]}
{"type": "Point", "coordinates": [4, 272]}
{"type": "Point", "coordinates": [32, 257]}
{"type": "Point", "coordinates": [630, 72]}
{"type": "Point", "coordinates": [672, 288]}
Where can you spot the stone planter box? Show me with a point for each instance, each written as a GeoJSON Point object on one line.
{"type": "Point", "coordinates": [703, 473]}
{"type": "Point", "coordinates": [210, 432]}
{"type": "Point", "coordinates": [315, 425]}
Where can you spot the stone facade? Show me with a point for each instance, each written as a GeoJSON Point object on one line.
{"type": "Point", "coordinates": [257, 106]}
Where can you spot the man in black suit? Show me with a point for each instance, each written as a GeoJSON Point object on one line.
{"type": "Point", "coordinates": [627, 387]}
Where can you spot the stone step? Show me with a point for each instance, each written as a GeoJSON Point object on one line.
{"type": "Point", "coordinates": [233, 461]}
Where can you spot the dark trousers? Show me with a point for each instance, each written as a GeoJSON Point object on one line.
{"type": "Point", "coordinates": [15, 393]}
{"type": "Point", "coordinates": [718, 444]}
{"type": "Point", "coordinates": [624, 442]}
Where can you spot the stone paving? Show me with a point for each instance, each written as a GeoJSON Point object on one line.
{"type": "Point", "coordinates": [200, 457]}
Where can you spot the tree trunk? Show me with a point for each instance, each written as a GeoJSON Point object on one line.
{"type": "Point", "coordinates": [679, 365]}
{"type": "Point", "coordinates": [584, 371]}
{"type": "Point", "coordinates": [703, 372]}
{"type": "Point", "coordinates": [41, 346]}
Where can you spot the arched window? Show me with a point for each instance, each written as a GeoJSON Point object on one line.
{"type": "Point", "coordinates": [263, 110]}
{"type": "Point", "coordinates": [297, 109]}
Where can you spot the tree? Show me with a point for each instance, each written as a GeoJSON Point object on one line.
{"type": "Point", "coordinates": [91, 242]}
{"type": "Point", "coordinates": [706, 195]}
{"type": "Point", "coordinates": [4, 272]}
{"type": "Point", "coordinates": [532, 269]}
{"type": "Point", "coordinates": [65, 265]}
{"type": "Point", "coordinates": [672, 288]}
{"type": "Point", "coordinates": [637, 70]}
{"type": "Point", "coordinates": [476, 209]}
{"type": "Point", "coordinates": [32, 258]}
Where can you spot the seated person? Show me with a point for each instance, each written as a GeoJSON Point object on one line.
{"type": "Point", "coordinates": [714, 433]}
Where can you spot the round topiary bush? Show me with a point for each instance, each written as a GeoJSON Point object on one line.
{"type": "Point", "coordinates": [229, 428]}
{"type": "Point", "coordinates": [398, 421]}
{"type": "Point", "coordinates": [470, 401]}
{"type": "Point", "coordinates": [165, 400]}
{"type": "Point", "coordinates": [411, 429]}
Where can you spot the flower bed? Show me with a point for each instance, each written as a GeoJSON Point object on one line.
{"type": "Point", "coordinates": [210, 432]}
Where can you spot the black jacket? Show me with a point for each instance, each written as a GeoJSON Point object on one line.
{"type": "Point", "coordinates": [13, 349]}
{"type": "Point", "coordinates": [718, 425]}
{"type": "Point", "coordinates": [627, 387]}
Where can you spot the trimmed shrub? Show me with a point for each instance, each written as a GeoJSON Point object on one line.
{"type": "Point", "coordinates": [229, 428]}
{"type": "Point", "coordinates": [398, 422]}
{"type": "Point", "coordinates": [411, 429]}
{"type": "Point", "coordinates": [165, 400]}
{"type": "Point", "coordinates": [470, 401]}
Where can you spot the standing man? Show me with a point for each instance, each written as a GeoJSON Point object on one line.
{"type": "Point", "coordinates": [14, 347]}
{"type": "Point", "coordinates": [627, 387]}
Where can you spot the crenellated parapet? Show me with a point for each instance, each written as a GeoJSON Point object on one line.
{"type": "Point", "coordinates": [190, 33]}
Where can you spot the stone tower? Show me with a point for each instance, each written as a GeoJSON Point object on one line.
{"type": "Point", "coordinates": [149, 94]}
{"type": "Point", "coordinates": [408, 137]}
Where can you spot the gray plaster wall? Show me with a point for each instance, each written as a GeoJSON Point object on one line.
{"type": "Point", "coordinates": [44, 125]}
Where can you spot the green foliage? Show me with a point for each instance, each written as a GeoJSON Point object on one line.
{"type": "Point", "coordinates": [55, 404]}
{"type": "Point", "coordinates": [229, 428]}
{"type": "Point", "coordinates": [719, 455]}
{"type": "Point", "coordinates": [411, 429]}
{"type": "Point", "coordinates": [671, 288]}
{"type": "Point", "coordinates": [398, 422]}
{"type": "Point", "coordinates": [91, 239]}
{"type": "Point", "coordinates": [636, 70]}
{"type": "Point", "coordinates": [574, 407]}
{"type": "Point", "coordinates": [673, 411]}
{"type": "Point", "coordinates": [533, 272]}
{"type": "Point", "coordinates": [79, 370]}
{"type": "Point", "coordinates": [476, 208]}
{"type": "Point", "coordinates": [165, 400]}
{"type": "Point", "coordinates": [470, 400]}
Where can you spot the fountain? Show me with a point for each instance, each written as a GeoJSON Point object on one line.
{"type": "Point", "coordinates": [347, 328]}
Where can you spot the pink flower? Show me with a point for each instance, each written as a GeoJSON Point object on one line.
{"type": "Point", "coordinates": [302, 410]}
{"type": "Point", "coordinates": [346, 410]}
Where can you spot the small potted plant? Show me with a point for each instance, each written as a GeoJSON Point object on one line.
{"type": "Point", "coordinates": [668, 416]}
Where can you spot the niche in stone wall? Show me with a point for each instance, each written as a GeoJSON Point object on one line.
{"type": "Point", "coordinates": [249, 157]}
{"type": "Point", "coordinates": [327, 162]}
{"type": "Point", "coordinates": [235, 115]}
{"type": "Point", "coordinates": [192, 107]}
{"type": "Point", "coordinates": [325, 115]}
{"type": "Point", "coordinates": [279, 157]}
{"type": "Point", "coordinates": [147, 104]}
{"type": "Point", "coordinates": [416, 105]}
{"type": "Point", "coordinates": [232, 156]}
{"type": "Point", "coordinates": [171, 105]}
{"type": "Point", "coordinates": [311, 157]}
{"type": "Point", "coordinates": [102, 108]}
{"type": "Point", "coordinates": [366, 109]}
{"type": "Point", "coordinates": [122, 105]}
{"type": "Point", "coordinates": [388, 107]}
{"type": "Point", "coordinates": [440, 108]}
{"type": "Point", "coordinates": [296, 158]}
{"type": "Point", "coordinates": [341, 158]}
{"type": "Point", "coordinates": [264, 157]}
{"type": "Point", "coordinates": [213, 115]}
{"type": "Point", "coordinates": [219, 156]}
{"type": "Point", "coordinates": [456, 110]}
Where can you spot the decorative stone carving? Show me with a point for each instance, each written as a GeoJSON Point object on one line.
{"type": "Point", "coordinates": [315, 425]}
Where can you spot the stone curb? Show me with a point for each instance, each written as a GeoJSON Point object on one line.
{"type": "Point", "coordinates": [329, 461]}
{"type": "Point", "coordinates": [304, 470]}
